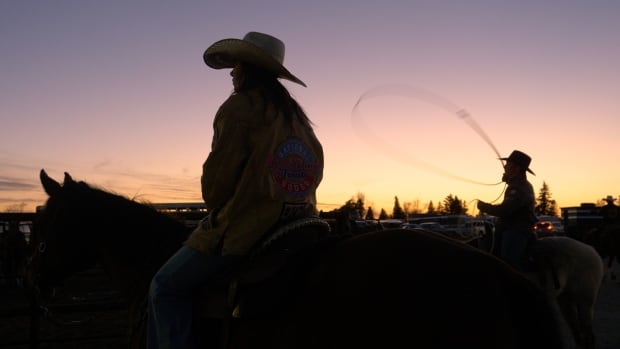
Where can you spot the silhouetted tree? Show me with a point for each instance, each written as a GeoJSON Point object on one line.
{"type": "Point", "coordinates": [411, 208]}
{"type": "Point", "coordinates": [453, 206]}
{"type": "Point", "coordinates": [431, 208]}
{"type": "Point", "coordinates": [545, 206]}
{"type": "Point", "coordinates": [383, 214]}
{"type": "Point", "coordinates": [439, 209]}
{"type": "Point", "coordinates": [359, 204]}
{"type": "Point", "coordinates": [355, 205]}
{"type": "Point", "coordinates": [370, 215]}
{"type": "Point", "coordinates": [397, 211]}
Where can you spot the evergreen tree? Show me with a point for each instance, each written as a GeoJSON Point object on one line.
{"type": "Point", "coordinates": [359, 205]}
{"type": "Point", "coordinates": [397, 212]}
{"type": "Point", "coordinates": [370, 215]}
{"type": "Point", "coordinates": [383, 214]}
{"type": "Point", "coordinates": [453, 206]}
{"type": "Point", "coordinates": [545, 205]}
{"type": "Point", "coordinates": [431, 208]}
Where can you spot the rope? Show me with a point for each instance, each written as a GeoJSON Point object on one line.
{"type": "Point", "coordinates": [426, 96]}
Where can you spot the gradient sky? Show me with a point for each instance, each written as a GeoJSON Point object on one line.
{"type": "Point", "coordinates": [116, 93]}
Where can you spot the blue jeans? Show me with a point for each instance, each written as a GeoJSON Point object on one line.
{"type": "Point", "coordinates": [170, 301]}
{"type": "Point", "coordinates": [515, 247]}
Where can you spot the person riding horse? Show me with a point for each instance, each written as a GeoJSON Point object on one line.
{"type": "Point", "coordinates": [609, 231]}
{"type": "Point", "coordinates": [263, 171]}
{"type": "Point", "coordinates": [516, 213]}
{"type": "Point", "coordinates": [610, 214]}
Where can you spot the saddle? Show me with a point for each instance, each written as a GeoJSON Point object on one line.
{"type": "Point", "coordinates": [253, 287]}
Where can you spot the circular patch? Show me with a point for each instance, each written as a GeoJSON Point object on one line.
{"type": "Point", "coordinates": [294, 168]}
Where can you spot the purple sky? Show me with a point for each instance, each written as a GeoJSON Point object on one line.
{"type": "Point", "coordinates": [116, 94]}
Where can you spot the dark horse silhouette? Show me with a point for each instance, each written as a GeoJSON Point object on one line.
{"type": "Point", "coordinates": [392, 288]}
{"type": "Point", "coordinates": [606, 240]}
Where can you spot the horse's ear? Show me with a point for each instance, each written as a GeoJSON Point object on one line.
{"type": "Point", "coordinates": [51, 186]}
{"type": "Point", "coordinates": [68, 178]}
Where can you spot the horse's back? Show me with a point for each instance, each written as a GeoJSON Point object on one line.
{"type": "Point", "coordinates": [579, 267]}
{"type": "Point", "coordinates": [582, 259]}
{"type": "Point", "coordinates": [414, 289]}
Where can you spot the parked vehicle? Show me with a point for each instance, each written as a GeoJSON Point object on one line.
{"type": "Point", "coordinates": [391, 223]}
{"type": "Point", "coordinates": [410, 226]}
{"type": "Point", "coordinates": [558, 224]}
{"type": "Point", "coordinates": [432, 226]}
{"type": "Point", "coordinates": [548, 228]}
{"type": "Point", "coordinates": [473, 228]}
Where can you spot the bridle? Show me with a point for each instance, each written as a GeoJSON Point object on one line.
{"type": "Point", "coordinates": [34, 291]}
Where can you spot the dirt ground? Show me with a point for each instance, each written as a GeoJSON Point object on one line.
{"type": "Point", "coordinates": [88, 315]}
{"type": "Point", "coordinates": [607, 316]}
{"type": "Point", "coordinates": [85, 313]}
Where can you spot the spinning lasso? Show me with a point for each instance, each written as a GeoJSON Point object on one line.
{"type": "Point", "coordinates": [425, 96]}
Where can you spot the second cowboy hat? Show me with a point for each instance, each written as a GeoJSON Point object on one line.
{"type": "Point", "coordinates": [262, 50]}
{"type": "Point", "coordinates": [521, 159]}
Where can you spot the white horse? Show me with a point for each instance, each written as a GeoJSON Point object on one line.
{"type": "Point", "coordinates": [571, 272]}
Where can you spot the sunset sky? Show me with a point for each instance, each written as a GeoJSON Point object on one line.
{"type": "Point", "coordinates": [116, 93]}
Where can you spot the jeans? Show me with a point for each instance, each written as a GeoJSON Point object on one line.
{"type": "Point", "coordinates": [515, 247]}
{"type": "Point", "coordinates": [170, 301]}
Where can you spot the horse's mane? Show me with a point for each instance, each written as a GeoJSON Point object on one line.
{"type": "Point", "coordinates": [134, 228]}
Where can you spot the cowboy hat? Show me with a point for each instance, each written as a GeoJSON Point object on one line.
{"type": "Point", "coordinates": [520, 159]}
{"type": "Point", "coordinates": [262, 50]}
{"type": "Point", "coordinates": [610, 198]}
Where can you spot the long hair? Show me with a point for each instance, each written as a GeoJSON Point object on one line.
{"type": "Point", "coordinates": [253, 77]}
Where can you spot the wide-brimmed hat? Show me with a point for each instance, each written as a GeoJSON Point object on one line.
{"type": "Point", "coordinates": [262, 50]}
{"type": "Point", "coordinates": [520, 159]}
{"type": "Point", "coordinates": [610, 198]}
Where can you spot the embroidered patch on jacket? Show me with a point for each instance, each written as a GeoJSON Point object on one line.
{"type": "Point", "coordinates": [294, 168]}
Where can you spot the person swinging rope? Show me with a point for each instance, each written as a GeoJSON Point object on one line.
{"type": "Point", "coordinates": [516, 216]}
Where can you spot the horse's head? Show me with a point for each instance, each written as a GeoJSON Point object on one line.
{"type": "Point", "coordinates": [61, 246]}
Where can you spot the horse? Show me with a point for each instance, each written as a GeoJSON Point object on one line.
{"type": "Point", "coordinates": [606, 241]}
{"type": "Point", "coordinates": [568, 270]}
{"type": "Point", "coordinates": [571, 272]}
{"type": "Point", "coordinates": [390, 288]}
